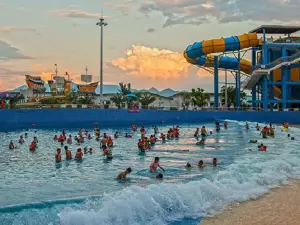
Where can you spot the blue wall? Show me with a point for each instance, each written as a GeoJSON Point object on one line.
{"type": "Point", "coordinates": [68, 118]}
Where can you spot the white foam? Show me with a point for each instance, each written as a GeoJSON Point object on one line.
{"type": "Point", "coordinates": [249, 176]}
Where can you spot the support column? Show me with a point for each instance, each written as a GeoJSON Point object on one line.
{"type": "Point", "coordinates": [265, 93]}
{"type": "Point", "coordinates": [283, 80]}
{"type": "Point", "coordinates": [254, 98]}
{"type": "Point", "coordinates": [238, 83]}
{"type": "Point", "coordinates": [272, 80]}
{"type": "Point", "coordinates": [216, 81]}
{"type": "Point", "coordinates": [253, 88]}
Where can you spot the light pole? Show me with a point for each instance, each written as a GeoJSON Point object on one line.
{"type": "Point", "coordinates": [101, 23]}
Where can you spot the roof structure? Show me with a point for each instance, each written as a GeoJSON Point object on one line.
{"type": "Point", "coordinates": [276, 29]}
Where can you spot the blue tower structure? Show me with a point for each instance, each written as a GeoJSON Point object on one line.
{"type": "Point", "coordinates": [275, 69]}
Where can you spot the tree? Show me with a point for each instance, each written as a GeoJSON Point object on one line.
{"type": "Point", "coordinates": [125, 88]}
{"type": "Point", "coordinates": [71, 97]}
{"type": "Point", "coordinates": [186, 100]}
{"type": "Point", "coordinates": [146, 99]}
{"type": "Point", "coordinates": [231, 96]}
{"type": "Point", "coordinates": [86, 100]}
{"type": "Point", "coordinates": [198, 97]}
{"type": "Point", "coordinates": [118, 100]}
{"type": "Point", "coordinates": [14, 100]}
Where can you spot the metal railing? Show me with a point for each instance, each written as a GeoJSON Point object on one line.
{"type": "Point", "coordinates": [286, 59]}
{"type": "Point", "coordinates": [145, 107]}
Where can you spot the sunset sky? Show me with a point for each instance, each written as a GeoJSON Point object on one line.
{"type": "Point", "coordinates": [143, 43]}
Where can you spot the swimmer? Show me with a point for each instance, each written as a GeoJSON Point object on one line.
{"type": "Point", "coordinates": [26, 135]}
{"type": "Point", "coordinates": [262, 147]}
{"type": "Point", "coordinates": [289, 135]}
{"type": "Point", "coordinates": [58, 156]}
{"type": "Point", "coordinates": [32, 146]}
{"type": "Point", "coordinates": [55, 138]}
{"type": "Point", "coordinates": [257, 127]}
{"type": "Point", "coordinates": [89, 137]}
{"type": "Point", "coordinates": [201, 164]}
{"type": "Point", "coordinates": [201, 142]}
{"type": "Point", "coordinates": [110, 142]}
{"type": "Point", "coordinates": [225, 125]}
{"type": "Point", "coordinates": [90, 150]}
{"type": "Point", "coordinates": [264, 132]}
{"type": "Point", "coordinates": [271, 131]}
{"type": "Point", "coordinates": [218, 126]}
{"type": "Point", "coordinates": [78, 155]}
{"type": "Point", "coordinates": [247, 126]}
{"type": "Point", "coordinates": [156, 130]}
{"type": "Point", "coordinates": [116, 135]}
{"type": "Point", "coordinates": [196, 134]}
{"type": "Point", "coordinates": [128, 135]}
{"type": "Point", "coordinates": [160, 176]}
{"type": "Point", "coordinates": [11, 145]}
{"type": "Point", "coordinates": [68, 153]}
{"type": "Point", "coordinates": [214, 162]}
{"type": "Point", "coordinates": [21, 140]}
{"type": "Point", "coordinates": [85, 150]}
{"type": "Point", "coordinates": [292, 138]}
{"type": "Point", "coordinates": [69, 140]}
{"type": "Point", "coordinates": [188, 165]}
{"type": "Point", "coordinates": [154, 165]}
{"type": "Point", "coordinates": [107, 152]}
{"type": "Point", "coordinates": [253, 141]}
{"type": "Point", "coordinates": [203, 131]}
{"type": "Point", "coordinates": [122, 175]}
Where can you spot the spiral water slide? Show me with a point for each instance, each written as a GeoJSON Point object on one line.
{"type": "Point", "coordinates": [200, 52]}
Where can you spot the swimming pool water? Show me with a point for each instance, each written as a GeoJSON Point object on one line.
{"type": "Point", "coordinates": [36, 190]}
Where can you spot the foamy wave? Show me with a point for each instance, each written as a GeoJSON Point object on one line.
{"type": "Point", "coordinates": [248, 177]}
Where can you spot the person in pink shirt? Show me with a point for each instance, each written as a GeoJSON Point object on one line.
{"type": "Point", "coordinates": [154, 165]}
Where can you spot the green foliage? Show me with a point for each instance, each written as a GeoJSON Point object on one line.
{"type": "Point", "coordinates": [187, 97]}
{"type": "Point", "coordinates": [145, 99]}
{"type": "Point", "coordinates": [118, 100]}
{"type": "Point", "coordinates": [14, 100]}
{"type": "Point", "coordinates": [50, 100]}
{"type": "Point", "coordinates": [199, 97]}
{"type": "Point", "coordinates": [71, 97]}
{"type": "Point", "coordinates": [231, 96]}
{"type": "Point", "coordinates": [125, 88]}
{"type": "Point", "coordinates": [85, 100]}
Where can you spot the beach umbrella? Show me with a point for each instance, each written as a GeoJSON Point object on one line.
{"type": "Point", "coordinates": [131, 95]}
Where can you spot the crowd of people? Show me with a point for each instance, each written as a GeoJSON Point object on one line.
{"type": "Point", "coordinates": [144, 143]}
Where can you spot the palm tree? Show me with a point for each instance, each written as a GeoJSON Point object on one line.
{"type": "Point", "coordinates": [125, 89]}
{"type": "Point", "coordinates": [146, 99]}
{"type": "Point", "coordinates": [86, 100]}
{"type": "Point", "coordinates": [118, 100]}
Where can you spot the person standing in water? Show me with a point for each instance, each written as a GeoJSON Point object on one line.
{"type": "Point", "coordinates": [58, 156]}
{"type": "Point", "coordinates": [154, 165]}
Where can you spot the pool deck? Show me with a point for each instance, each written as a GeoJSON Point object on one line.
{"type": "Point", "coordinates": [277, 207]}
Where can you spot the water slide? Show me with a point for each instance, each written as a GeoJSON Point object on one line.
{"type": "Point", "coordinates": [199, 53]}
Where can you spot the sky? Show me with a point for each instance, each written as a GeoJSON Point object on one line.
{"type": "Point", "coordinates": [143, 42]}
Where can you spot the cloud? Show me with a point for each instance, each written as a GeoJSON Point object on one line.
{"type": "Point", "coordinates": [124, 7]}
{"type": "Point", "coordinates": [75, 13]}
{"type": "Point", "coordinates": [155, 64]}
{"type": "Point", "coordinates": [151, 30]}
{"type": "Point", "coordinates": [8, 52]}
{"type": "Point", "coordinates": [197, 12]}
{"type": "Point", "coordinates": [10, 79]}
{"type": "Point", "coordinates": [9, 29]}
